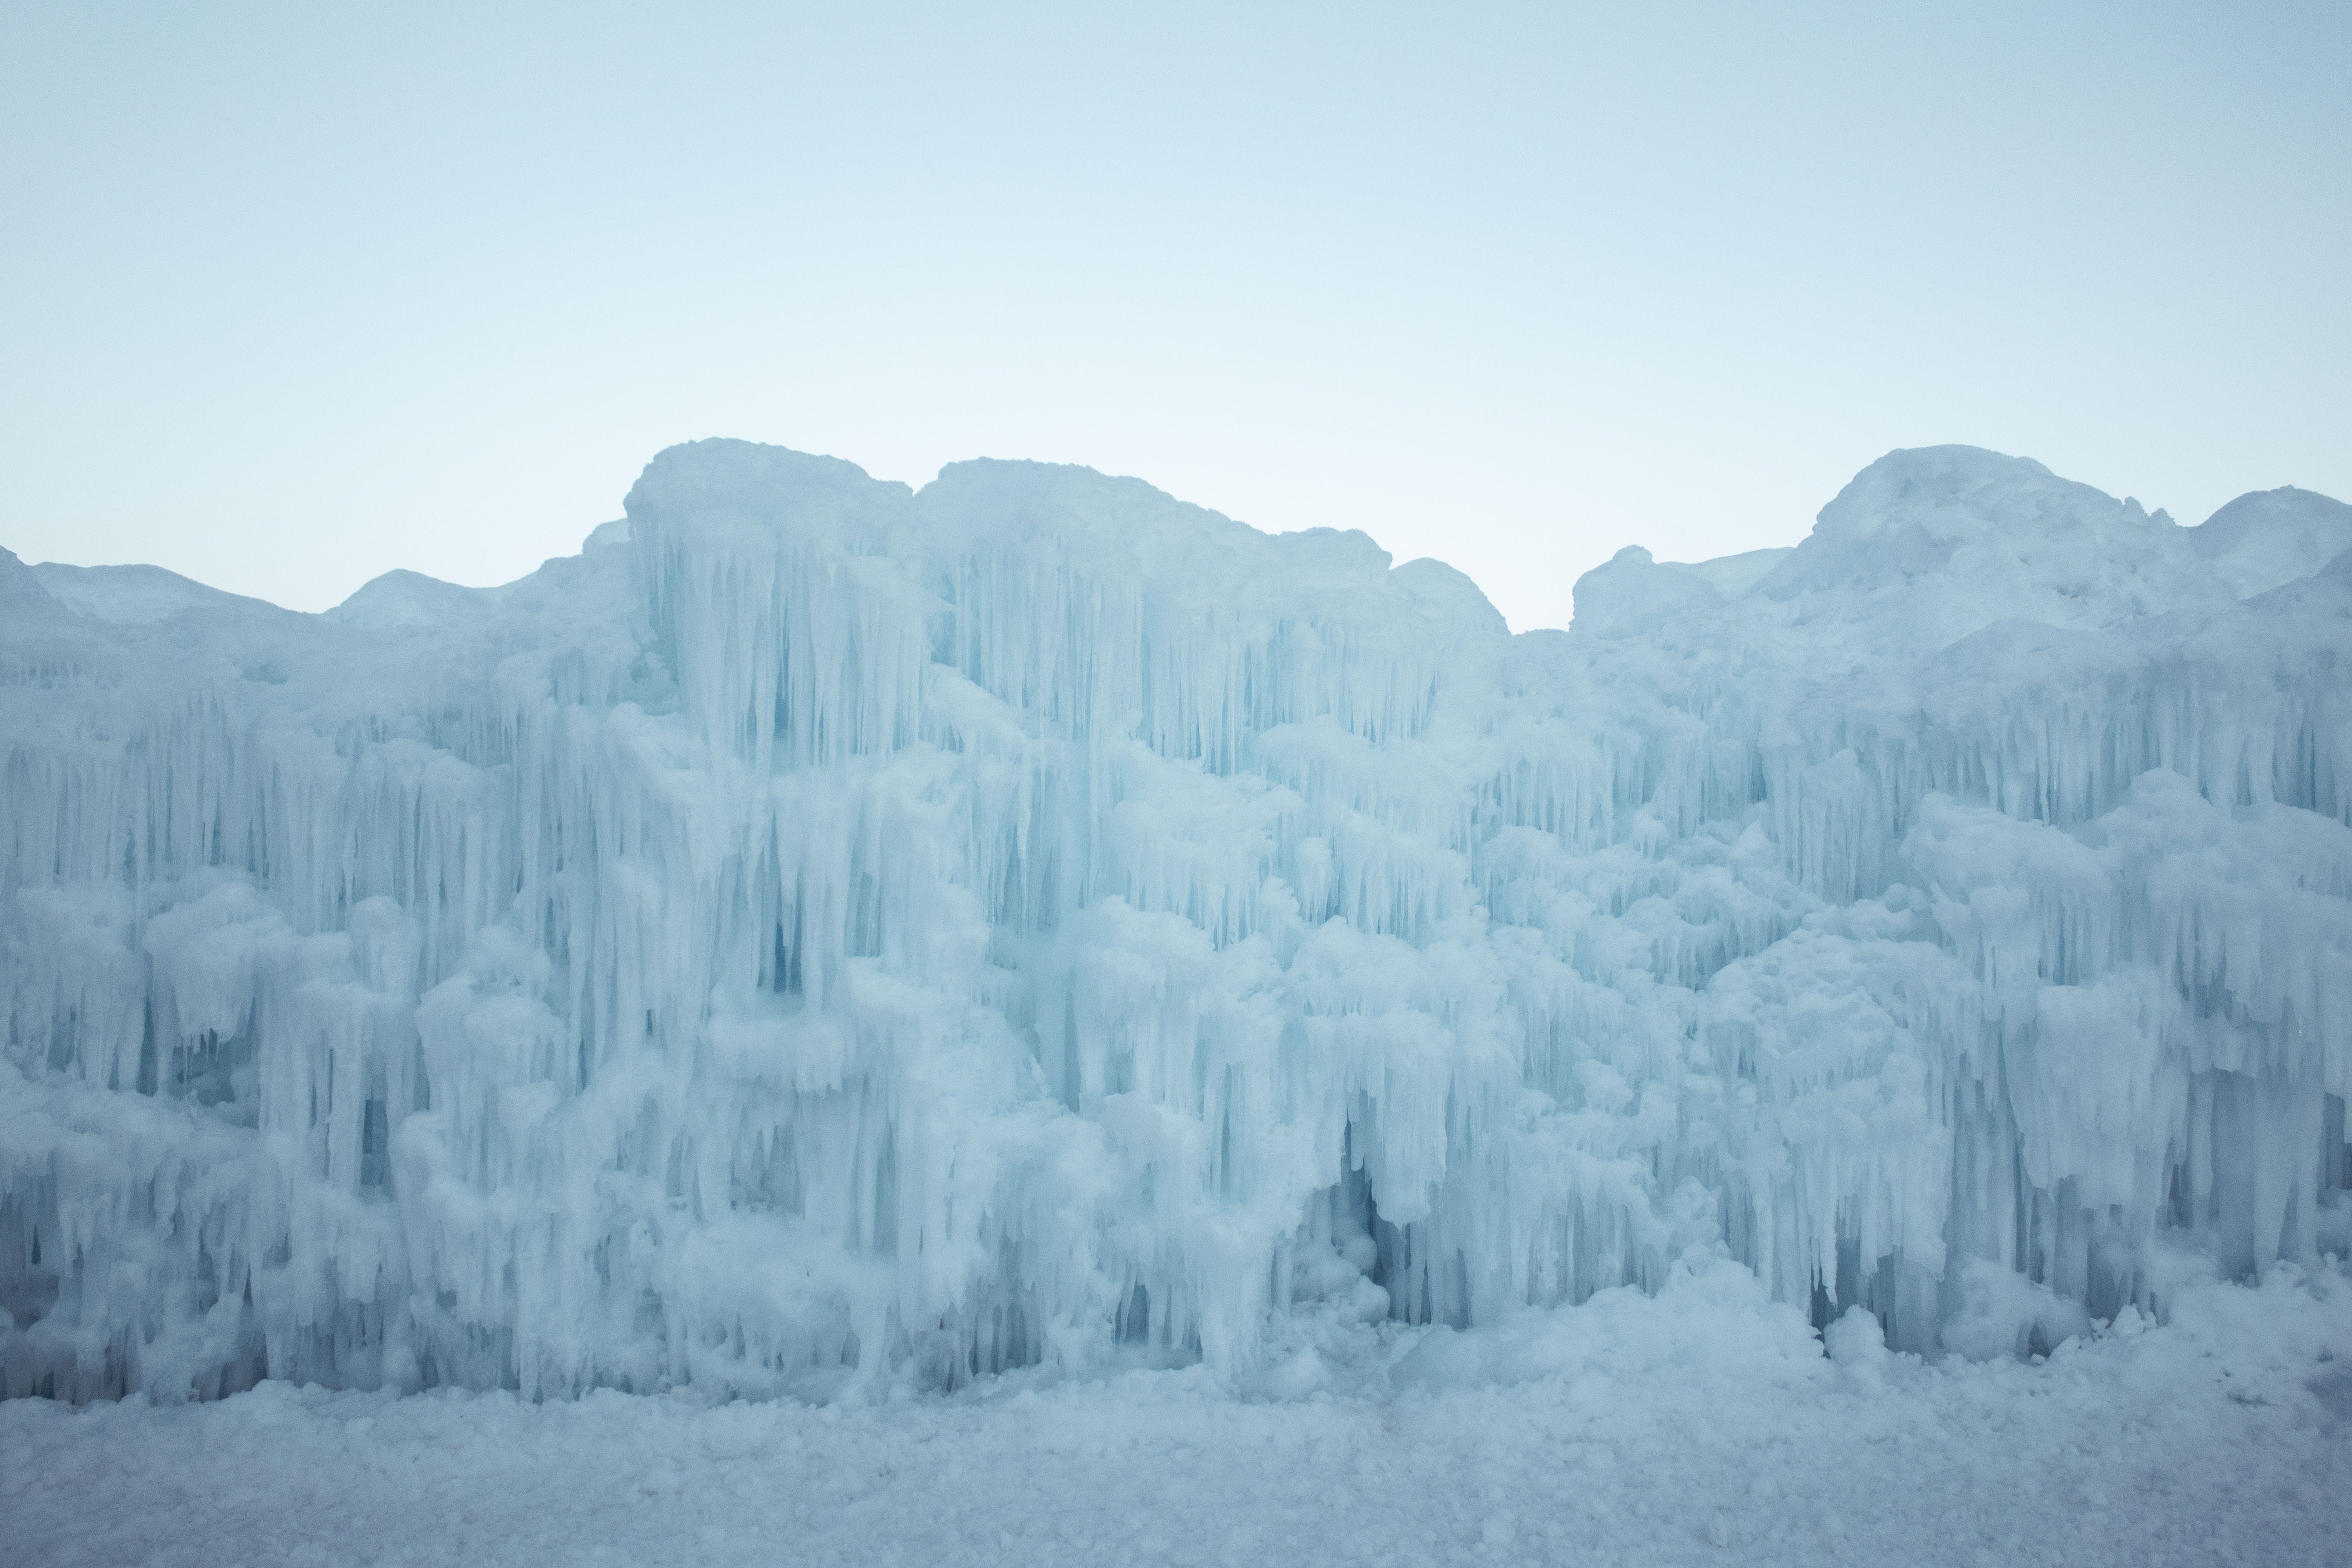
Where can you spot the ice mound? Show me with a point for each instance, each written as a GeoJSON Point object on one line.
{"type": "Point", "coordinates": [134, 595]}
{"type": "Point", "coordinates": [1926, 546]}
{"type": "Point", "coordinates": [830, 934]}
{"type": "Point", "coordinates": [411, 599]}
{"type": "Point", "coordinates": [2270, 538]}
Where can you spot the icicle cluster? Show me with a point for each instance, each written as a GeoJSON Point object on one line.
{"type": "Point", "coordinates": [824, 932]}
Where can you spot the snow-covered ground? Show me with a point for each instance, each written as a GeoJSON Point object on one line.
{"type": "Point", "coordinates": [1703, 1425]}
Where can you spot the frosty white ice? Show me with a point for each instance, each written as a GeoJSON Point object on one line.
{"type": "Point", "coordinates": [826, 936]}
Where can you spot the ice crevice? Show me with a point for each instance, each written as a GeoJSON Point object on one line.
{"type": "Point", "coordinates": [827, 935]}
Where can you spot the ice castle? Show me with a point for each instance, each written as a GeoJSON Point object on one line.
{"type": "Point", "coordinates": [826, 935]}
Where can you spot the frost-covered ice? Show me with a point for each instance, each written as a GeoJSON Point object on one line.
{"type": "Point", "coordinates": [1702, 1427]}
{"type": "Point", "coordinates": [831, 939]}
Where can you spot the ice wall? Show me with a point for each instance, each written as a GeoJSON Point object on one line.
{"type": "Point", "coordinates": [827, 933]}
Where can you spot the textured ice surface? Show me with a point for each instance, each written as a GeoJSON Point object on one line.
{"type": "Point", "coordinates": [1701, 1427]}
{"type": "Point", "coordinates": [826, 936]}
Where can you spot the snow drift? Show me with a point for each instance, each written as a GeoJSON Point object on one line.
{"type": "Point", "coordinates": [825, 931]}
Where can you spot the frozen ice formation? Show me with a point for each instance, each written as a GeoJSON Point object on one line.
{"type": "Point", "coordinates": [826, 934]}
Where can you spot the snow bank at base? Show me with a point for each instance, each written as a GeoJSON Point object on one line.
{"type": "Point", "coordinates": [826, 937]}
{"type": "Point", "coordinates": [1704, 1426]}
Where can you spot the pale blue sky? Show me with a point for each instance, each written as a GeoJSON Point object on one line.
{"type": "Point", "coordinates": [292, 295]}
